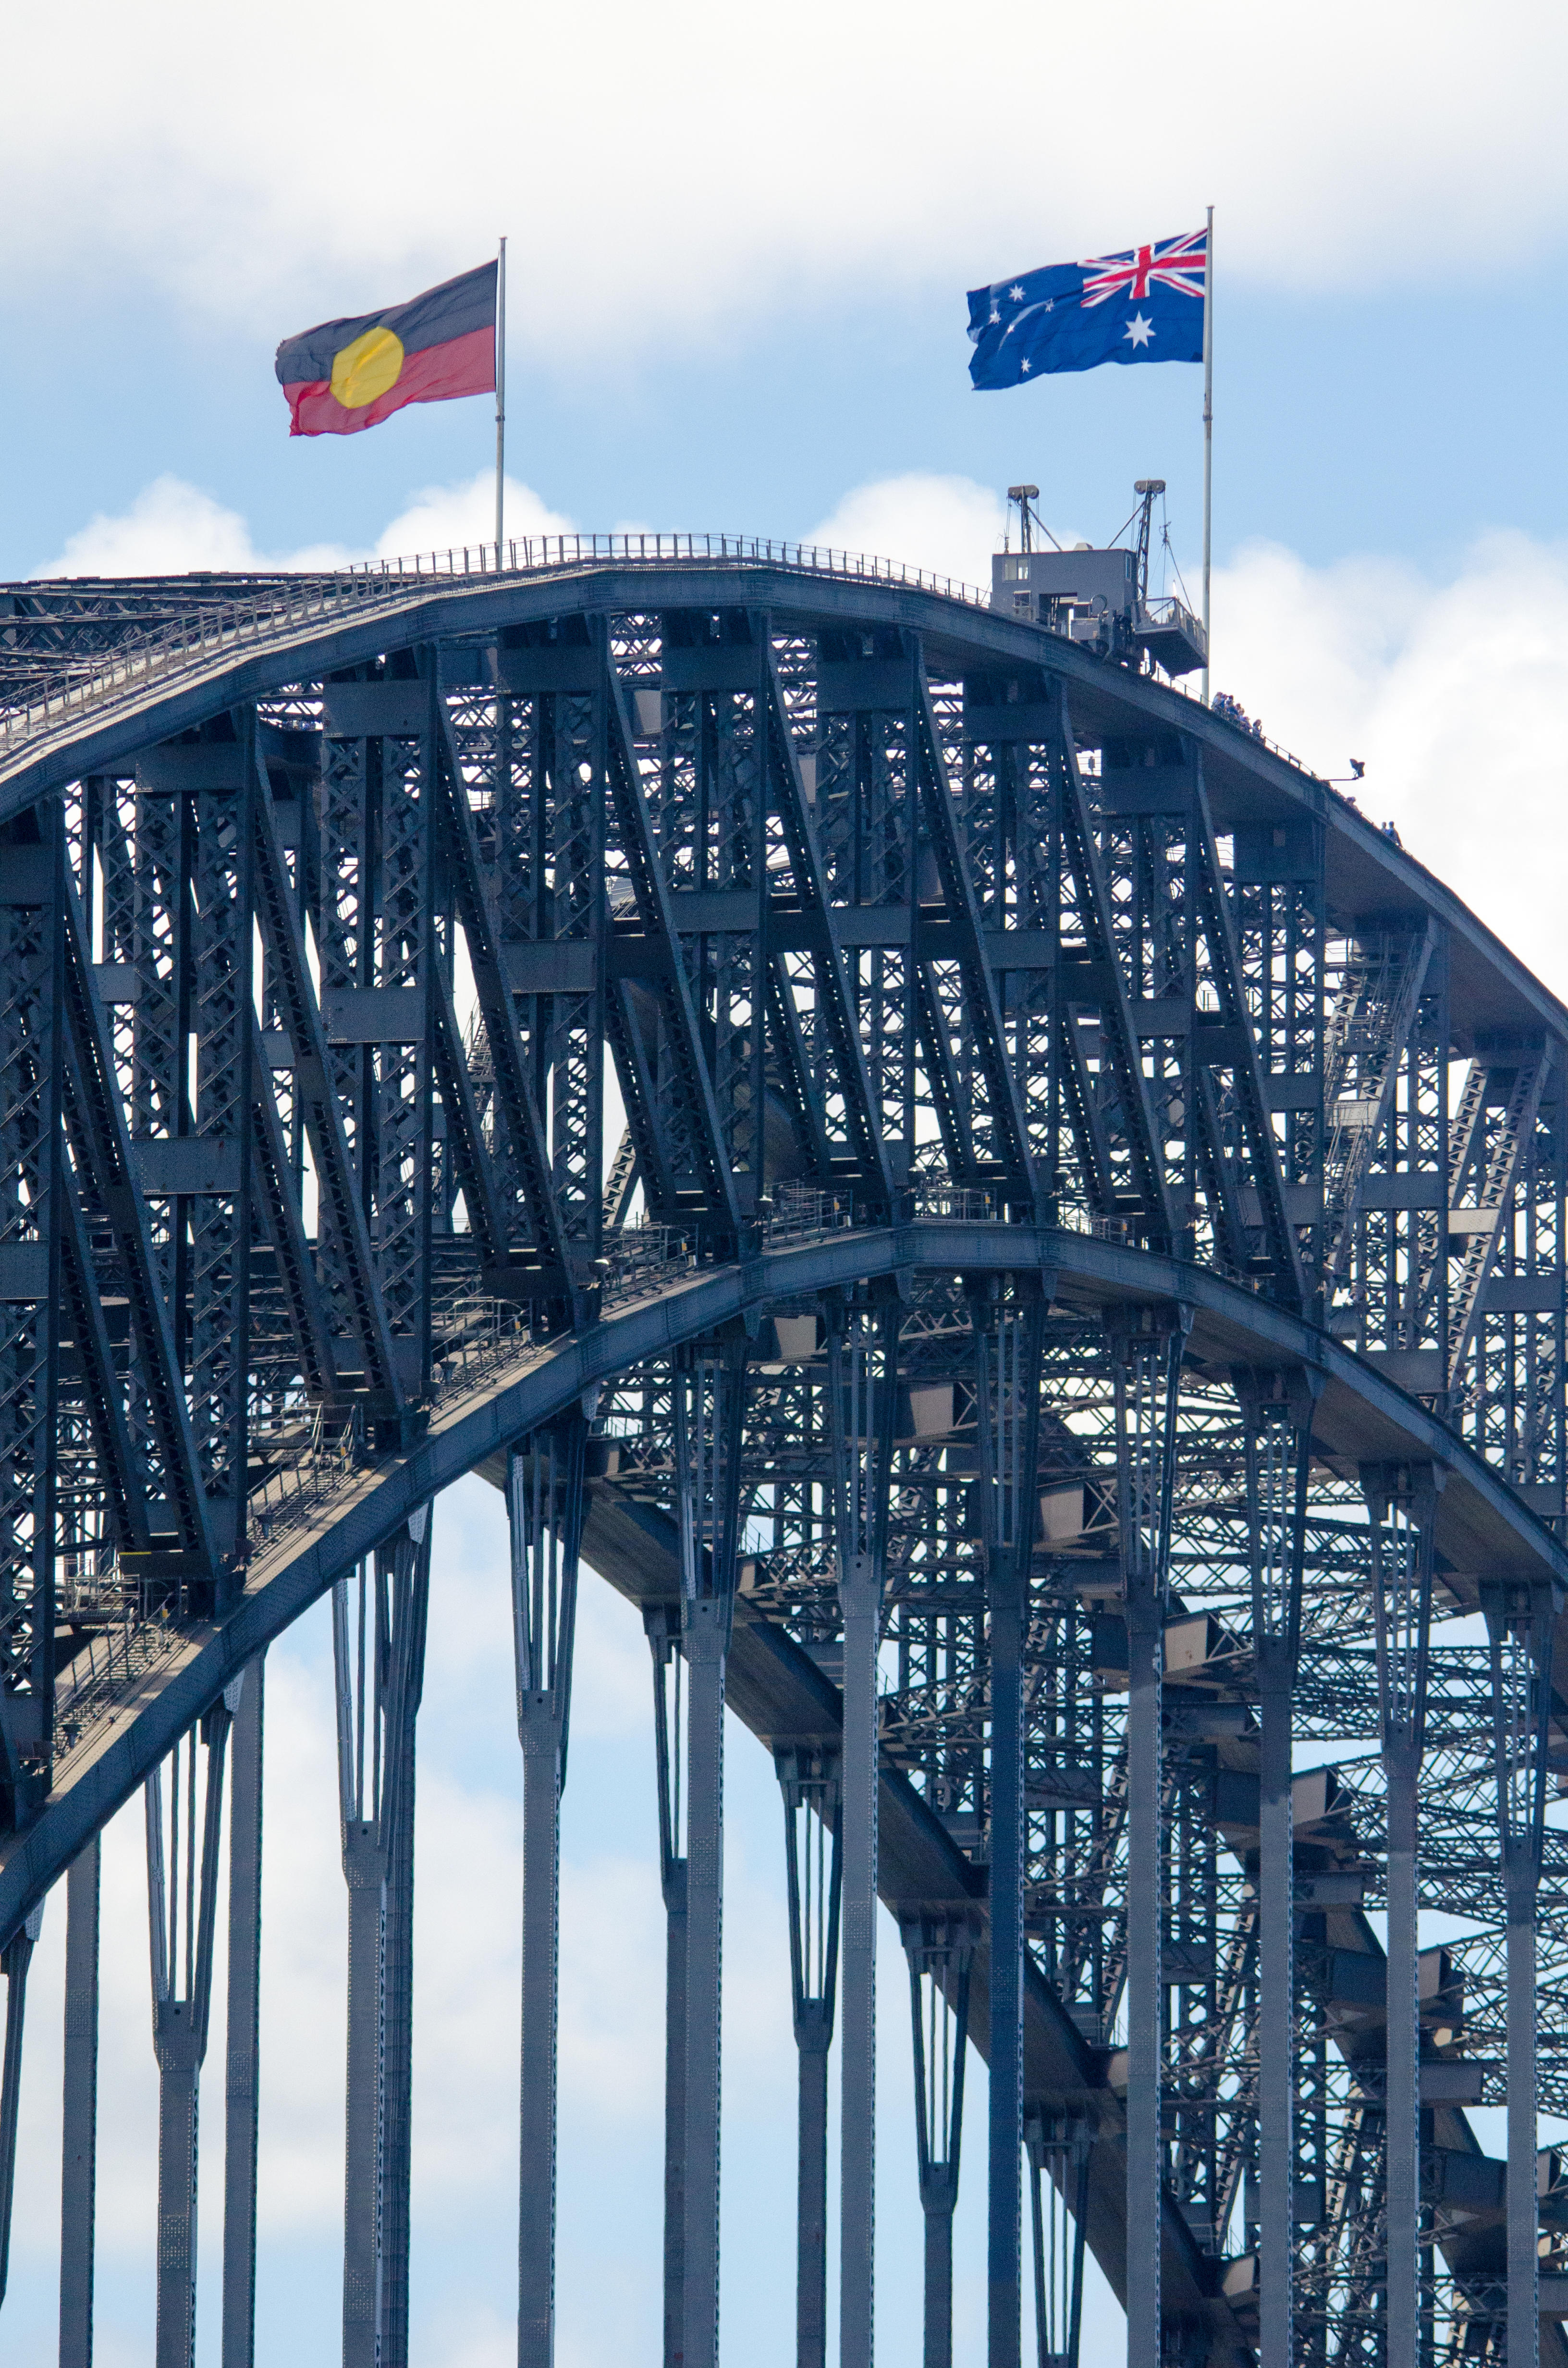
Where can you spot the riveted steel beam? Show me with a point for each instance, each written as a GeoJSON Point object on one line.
{"type": "Point", "coordinates": [1400, 1503]}
{"type": "Point", "coordinates": [78, 2174]}
{"type": "Point", "coordinates": [182, 1902]}
{"type": "Point", "coordinates": [861, 1376]}
{"type": "Point", "coordinates": [808, 1780]}
{"type": "Point", "coordinates": [940, 1946]}
{"type": "Point", "coordinates": [544, 1504]}
{"type": "Point", "coordinates": [242, 2048]}
{"type": "Point", "coordinates": [378, 1635]}
{"type": "Point", "coordinates": [662, 1620]}
{"type": "Point", "coordinates": [709, 1405]}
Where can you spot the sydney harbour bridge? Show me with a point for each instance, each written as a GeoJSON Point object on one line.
{"type": "Point", "coordinates": [1022, 1231]}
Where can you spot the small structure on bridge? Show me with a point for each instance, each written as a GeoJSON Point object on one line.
{"type": "Point", "coordinates": [1097, 598]}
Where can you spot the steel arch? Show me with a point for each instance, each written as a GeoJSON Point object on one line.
{"type": "Point", "coordinates": [1000, 964]}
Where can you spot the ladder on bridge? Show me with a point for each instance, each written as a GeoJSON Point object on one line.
{"type": "Point", "coordinates": [1379, 994]}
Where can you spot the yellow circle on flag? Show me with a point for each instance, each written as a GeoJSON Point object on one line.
{"type": "Point", "coordinates": [366, 369]}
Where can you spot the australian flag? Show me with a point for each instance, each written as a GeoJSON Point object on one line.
{"type": "Point", "coordinates": [1143, 306]}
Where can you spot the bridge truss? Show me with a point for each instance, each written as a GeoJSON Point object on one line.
{"type": "Point", "coordinates": [1024, 1233]}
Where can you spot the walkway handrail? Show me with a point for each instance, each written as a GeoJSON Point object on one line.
{"type": "Point", "coordinates": [223, 628]}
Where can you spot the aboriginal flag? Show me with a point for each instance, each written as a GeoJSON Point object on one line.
{"type": "Point", "coordinates": [347, 375]}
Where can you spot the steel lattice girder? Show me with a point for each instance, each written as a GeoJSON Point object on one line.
{"type": "Point", "coordinates": [924, 948]}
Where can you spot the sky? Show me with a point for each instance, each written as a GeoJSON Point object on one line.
{"type": "Point", "coordinates": [739, 246]}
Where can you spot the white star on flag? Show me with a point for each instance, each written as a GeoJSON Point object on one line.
{"type": "Point", "coordinates": [1140, 330]}
{"type": "Point", "coordinates": [1025, 365]}
{"type": "Point", "coordinates": [1016, 294]}
{"type": "Point", "coordinates": [995, 318]}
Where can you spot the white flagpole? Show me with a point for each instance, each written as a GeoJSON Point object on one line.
{"type": "Point", "coordinates": [1207, 431]}
{"type": "Point", "coordinates": [500, 410]}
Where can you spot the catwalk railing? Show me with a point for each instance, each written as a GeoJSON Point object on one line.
{"type": "Point", "coordinates": [221, 622]}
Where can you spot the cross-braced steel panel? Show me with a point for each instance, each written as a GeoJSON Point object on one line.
{"type": "Point", "coordinates": [1020, 1231]}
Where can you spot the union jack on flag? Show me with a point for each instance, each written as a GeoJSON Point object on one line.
{"type": "Point", "coordinates": [1168, 263]}
{"type": "Point", "coordinates": [1136, 307]}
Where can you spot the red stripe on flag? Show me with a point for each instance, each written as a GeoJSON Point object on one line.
{"type": "Point", "coordinates": [435, 374]}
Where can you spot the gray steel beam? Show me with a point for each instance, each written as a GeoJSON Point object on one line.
{"type": "Point", "coordinates": [379, 1663]}
{"type": "Point", "coordinates": [1147, 1350]}
{"type": "Point", "coordinates": [1277, 1413]}
{"type": "Point", "coordinates": [542, 1888]}
{"type": "Point", "coordinates": [292, 986]}
{"type": "Point", "coordinates": [674, 2263]}
{"type": "Point", "coordinates": [78, 2177]}
{"type": "Point", "coordinates": [242, 2049]}
{"type": "Point", "coordinates": [1523, 2214]}
{"type": "Point", "coordinates": [1401, 1509]}
{"type": "Point", "coordinates": [862, 1370]}
{"type": "Point", "coordinates": [850, 1054]}
{"type": "Point", "coordinates": [398, 2070]}
{"type": "Point", "coordinates": [692, 1085]}
{"type": "Point", "coordinates": [709, 1401]}
{"type": "Point", "coordinates": [663, 1622]}
{"type": "Point", "coordinates": [1519, 1625]}
{"type": "Point", "coordinates": [285, 1225]}
{"type": "Point", "coordinates": [1059, 2151]}
{"type": "Point", "coordinates": [940, 1949]}
{"type": "Point", "coordinates": [860, 1598]}
{"type": "Point", "coordinates": [705, 1641]}
{"type": "Point", "coordinates": [1006, 1108]}
{"type": "Point", "coordinates": [361, 2249]}
{"type": "Point", "coordinates": [529, 1156]}
{"type": "Point", "coordinates": [808, 1778]}
{"type": "Point", "coordinates": [1108, 988]}
{"type": "Point", "coordinates": [1008, 1335]}
{"type": "Point", "coordinates": [1275, 2021]}
{"type": "Point", "coordinates": [182, 1901]}
{"type": "Point", "coordinates": [101, 1141]}
{"type": "Point", "coordinates": [1220, 928]}
{"type": "Point", "coordinates": [14, 1961]}
{"type": "Point", "coordinates": [544, 1503]}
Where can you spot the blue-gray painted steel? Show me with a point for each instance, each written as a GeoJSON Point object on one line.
{"type": "Point", "coordinates": [78, 2196]}
{"type": "Point", "coordinates": [242, 2045]}
{"type": "Point", "coordinates": [881, 906]}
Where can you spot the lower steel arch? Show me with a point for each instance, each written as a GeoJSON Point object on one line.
{"type": "Point", "coordinates": [1375, 1420]}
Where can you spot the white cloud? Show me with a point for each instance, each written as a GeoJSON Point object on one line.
{"type": "Point", "coordinates": [445, 516]}
{"type": "Point", "coordinates": [864, 150]}
{"type": "Point", "coordinates": [948, 526]}
{"type": "Point", "coordinates": [172, 528]}
{"type": "Point", "coordinates": [1454, 694]}
{"type": "Point", "coordinates": [473, 2338]}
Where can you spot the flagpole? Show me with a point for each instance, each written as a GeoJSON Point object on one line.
{"type": "Point", "coordinates": [1207, 431]}
{"type": "Point", "coordinates": [501, 411]}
